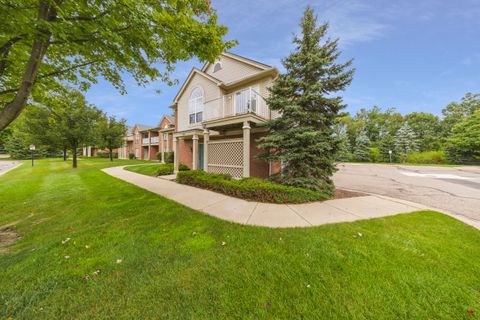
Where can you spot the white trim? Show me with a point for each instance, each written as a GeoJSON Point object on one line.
{"type": "Point", "coordinates": [225, 140]}
{"type": "Point", "coordinates": [224, 166]}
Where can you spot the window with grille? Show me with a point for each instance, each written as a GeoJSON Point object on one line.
{"type": "Point", "coordinates": [195, 106]}
{"type": "Point", "coordinates": [246, 100]}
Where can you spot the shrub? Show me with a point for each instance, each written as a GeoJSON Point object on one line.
{"type": "Point", "coordinates": [105, 154]}
{"type": "Point", "coordinates": [167, 168]}
{"type": "Point", "coordinates": [374, 154]}
{"type": "Point", "coordinates": [248, 188]}
{"type": "Point", "coordinates": [434, 157]}
{"type": "Point", "coordinates": [159, 156]}
{"type": "Point", "coordinates": [169, 157]}
{"type": "Point", "coordinates": [131, 156]}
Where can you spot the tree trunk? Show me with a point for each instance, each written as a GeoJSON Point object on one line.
{"type": "Point", "coordinates": [74, 163]}
{"type": "Point", "coordinates": [111, 154]}
{"type": "Point", "coordinates": [13, 109]}
{"type": "Point", "coordinates": [64, 154]}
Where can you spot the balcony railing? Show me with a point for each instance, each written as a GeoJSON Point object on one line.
{"type": "Point", "coordinates": [154, 140]}
{"type": "Point", "coordinates": [145, 141]}
{"type": "Point", "coordinates": [236, 103]}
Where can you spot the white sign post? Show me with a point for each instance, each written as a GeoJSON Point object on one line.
{"type": "Point", "coordinates": [390, 154]}
{"type": "Point", "coordinates": [32, 149]}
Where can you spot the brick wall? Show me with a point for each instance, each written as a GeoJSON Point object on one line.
{"type": "Point", "coordinates": [185, 152]}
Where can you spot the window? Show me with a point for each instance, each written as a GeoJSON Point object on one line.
{"type": "Point", "coordinates": [217, 66]}
{"type": "Point", "coordinates": [137, 138]}
{"type": "Point", "coordinates": [246, 100]}
{"type": "Point", "coordinates": [195, 106]}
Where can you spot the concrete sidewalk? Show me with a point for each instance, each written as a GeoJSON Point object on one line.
{"type": "Point", "coordinates": [6, 166]}
{"type": "Point", "coordinates": [267, 214]}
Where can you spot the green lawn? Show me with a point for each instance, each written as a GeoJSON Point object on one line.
{"type": "Point", "coordinates": [176, 263]}
{"type": "Point", "coordinates": [147, 169]}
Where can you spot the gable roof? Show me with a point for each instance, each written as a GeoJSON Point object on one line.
{"type": "Point", "coordinates": [170, 119]}
{"type": "Point", "coordinates": [190, 77]}
{"type": "Point", "coordinates": [142, 127]}
{"type": "Point", "coordinates": [245, 60]}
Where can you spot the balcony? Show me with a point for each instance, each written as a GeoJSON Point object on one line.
{"type": "Point", "coordinates": [145, 141]}
{"type": "Point", "coordinates": [154, 140]}
{"type": "Point", "coordinates": [237, 103]}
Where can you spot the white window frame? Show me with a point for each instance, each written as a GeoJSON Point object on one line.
{"type": "Point", "coordinates": [196, 105]}
{"type": "Point", "coordinates": [251, 94]}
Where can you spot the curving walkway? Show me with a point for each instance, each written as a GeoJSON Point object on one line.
{"type": "Point", "coordinates": [6, 166]}
{"type": "Point", "coordinates": [267, 214]}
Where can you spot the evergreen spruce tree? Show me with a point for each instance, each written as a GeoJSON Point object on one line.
{"type": "Point", "coordinates": [386, 144]}
{"type": "Point", "coordinates": [344, 147]}
{"type": "Point", "coordinates": [302, 137]}
{"type": "Point", "coordinates": [405, 141]}
{"type": "Point", "coordinates": [362, 147]}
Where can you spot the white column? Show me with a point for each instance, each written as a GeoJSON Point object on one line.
{"type": "Point", "coordinates": [175, 156]}
{"type": "Point", "coordinates": [206, 138]}
{"type": "Point", "coordinates": [195, 152]}
{"type": "Point", "coordinates": [246, 149]}
{"type": "Point", "coordinates": [163, 146]}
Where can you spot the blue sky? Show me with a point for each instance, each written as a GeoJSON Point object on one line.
{"type": "Point", "coordinates": [411, 55]}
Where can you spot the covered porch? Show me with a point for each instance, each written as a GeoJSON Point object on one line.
{"type": "Point", "coordinates": [223, 146]}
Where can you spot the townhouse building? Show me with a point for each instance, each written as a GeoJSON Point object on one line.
{"type": "Point", "coordinates": [220, 112]}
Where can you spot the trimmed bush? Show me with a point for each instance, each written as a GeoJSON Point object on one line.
{"type": "Point", "coordinates": [167, 168]}
{"type": "Point", "coordinates": [249, 188]}
{"type": "Point", "coordinates": [433, 157]}
{"type": "Point", "coordinates": [169, 157]}
{"type": "Point", "coordinates": [131, 156]}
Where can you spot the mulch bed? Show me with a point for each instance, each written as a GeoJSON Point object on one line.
{"type": "Point", "coordinates": [341, 194]}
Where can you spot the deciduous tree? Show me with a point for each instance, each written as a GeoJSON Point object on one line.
{"type": "Point", "coordinates": [111, 133]}
{"type": "Point", "coordinates": [45, 43]}
{"type": "Point", "coordinates": [464, 144]}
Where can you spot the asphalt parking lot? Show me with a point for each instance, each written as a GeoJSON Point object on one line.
{"type": "Point", "coordinates": [454, 190]}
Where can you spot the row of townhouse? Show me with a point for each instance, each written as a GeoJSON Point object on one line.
{"type": "Point", "coordinates": [145, 142]}
{"type": "Point", "coordinates": [219, 114]}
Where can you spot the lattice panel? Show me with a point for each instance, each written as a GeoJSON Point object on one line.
{"type": "Point", "coordinates": [234, 172]}
{"type": "Point", "coordinates": [226, 156]}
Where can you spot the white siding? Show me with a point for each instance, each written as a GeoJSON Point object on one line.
{"type": "Point", "coordinates": [210, 92]}
{"type": "Point", "coordinates": [232, 70]}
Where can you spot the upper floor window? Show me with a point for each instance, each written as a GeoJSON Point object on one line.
{"type": "Point", "coordinates": [246, 100]}
{"type": "Point", "coordinates": [217, 66]}
{"type": "Point", "coordinates": [195, 106]}
{"type": "Point", "coordinates": [137, 137]}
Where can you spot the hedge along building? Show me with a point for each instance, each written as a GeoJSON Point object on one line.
{"type": "Point", "coordinates": [220, 112]}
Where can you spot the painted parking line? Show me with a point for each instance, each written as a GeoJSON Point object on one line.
{"type": "Point", "coordinates": [435, 175]}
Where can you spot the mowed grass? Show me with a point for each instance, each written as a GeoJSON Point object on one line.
{"type": "Point", "coordinates": [146, 169]}
{"type": "Point", "coordinates": [176, 263]}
